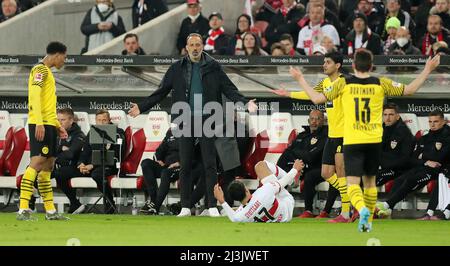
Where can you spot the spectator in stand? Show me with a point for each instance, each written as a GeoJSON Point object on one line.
{"type": "Point", "coordinates": [146, 10]}
{"type": "Point", "coordinates": [330, 5]}
{"type": "Point", "coordinates": [132, 47]}
{"type": "Point", "coordinates": [361, 37]}
{"type": "Point", "coordinates": [398, 144]}
{"type": "Point", "coordinates": [404, 43]}
{"type": "Point", "coordinates": [311, 35]}
{"type": "Point", "coordinates": [243, 24]}
{"type": "Point", "coordinates": [375, 18]}
{"type": "Point", "coordinates": [421, 19]}
{"type": "Point", "coordinates": [277, 49]}
{"type": "Point", "coordinates": [251, 45]}
{"type": "Point", "coordinates": [319, 51]}
{"type": "Point", "coordinates": [330, 14]}
{"type": "Point", "coordinates": [268, 10]}
{"type": "Point", "coordinates": [9, 9]}
{"type": "Point", "coordinates": [392, 25]}
{"type": "Point", "coordinates": [101, 24]}
{"type": "Point", "coordinates": [435, 33]}
{"type": "Point", "coordinates": [194, 23]}
{"type": "Point", "coordinates": [288, 45]}
{"type": "Point", "coordinates": [285, 21]}
{"type": "Point", "coordinates": [328, 44]}
{"type": "Point", "coordinates": [217, 41]}
{"type": "Point", "coordinates": [393, 9]}
{"type": "Point", "coordinates": [442, 9]}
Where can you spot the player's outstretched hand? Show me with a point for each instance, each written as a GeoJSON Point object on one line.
{"type": "Point", "coordinates": [218, 194]}
{"type": "Point", "coordinates": [432, 63]}
{"type": "Point", "coordinates": [281, 92]}
{"type": "Point", "coordinates": [252, 106]}
{"type": "Point", "coordinates": [298, 165]}
{"type": "Point", "coordinates": [134, 110]}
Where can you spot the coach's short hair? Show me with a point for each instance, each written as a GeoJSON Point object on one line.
{"type": "Point", "coordinates": [56, 48]}
{"type": "Point", "coordinates": [194, 34]}
{"type": "Point", "coordinates": [391, 106]}
{"type": "Point", "coordinates": [363, 60]}
{"type": "Point", "coordinates": [236, 190]}
{"type": "Point", "coordinates": [66, 111]}
{"type": "Point", "coordinates": [437, 113]}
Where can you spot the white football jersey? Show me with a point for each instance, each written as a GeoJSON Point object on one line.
{"type": "Point", "coordinates": [269, 203]}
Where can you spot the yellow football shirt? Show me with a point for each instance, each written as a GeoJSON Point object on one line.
{"type": "Point", "coordinates": [333, 108]}
{"type": "Point", "coordinates": [42, 97]}
{"type": "Point", "coordinates": [362, 101]}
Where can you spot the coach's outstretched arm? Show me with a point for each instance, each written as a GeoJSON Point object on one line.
{"type": "Point", "coordinates": [316, 97]}
{"type": "Point", "coordinates": [163, 90]}
{"type": "Point", "coordinates": [431, 64]}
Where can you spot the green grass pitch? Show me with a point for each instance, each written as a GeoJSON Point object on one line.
{"type": "Point", "coordinates": [92, 229]}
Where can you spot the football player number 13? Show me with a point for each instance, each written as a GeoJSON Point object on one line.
{"type": "Point", "coordinates": [362, 110]}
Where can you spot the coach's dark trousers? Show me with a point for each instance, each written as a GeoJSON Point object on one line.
{"type": "Point", "coordinates": [208, 157]}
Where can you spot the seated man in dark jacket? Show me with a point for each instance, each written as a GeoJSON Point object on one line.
{"type": "Point", "coordinates": [308, 146]}
{"type": "Point", "coordinates": [398, 143]}
{"type": "Point", "coordinates": [86, 168]}
{"type": "Point", "coordinates": [165, 165]}
{"type": "Point", "coordinates": [429, 157]}
{"type": "Point", "coordinates": [68, 154]}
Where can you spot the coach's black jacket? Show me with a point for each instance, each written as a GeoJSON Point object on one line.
{"type": "Point", "coordinates": [177, 80]}
{"type": "Point", "coordinates": [434, 146]}
{"type": "Point", "coordinates": [74, 142]}
{"type": "Point", "coordinates": [398, 144]}
{"type": "Point", "coordinates": [309, 146]}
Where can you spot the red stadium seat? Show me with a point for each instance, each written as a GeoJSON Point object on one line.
{"type": "Point", "coordinates": [131, 162]}
{"type": "Point", "coordinates": [388, 186]}
{"type": "Point", "coordinates": [12, 162]}
{"type": "Point", "coordinates": [7, 148]}
{"type": "Point", "coordinates": [431, 186]}
{"type": "Point", "coordinates": [128, 136]}
{"type": "Point", "coordinates": [261, 148]}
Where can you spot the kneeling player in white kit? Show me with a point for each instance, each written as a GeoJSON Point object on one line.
{"type": "Point", "coordinates": [270, 203]}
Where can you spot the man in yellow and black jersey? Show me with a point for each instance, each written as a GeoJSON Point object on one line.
{"type": "Point", "coordinates": [332, 159]}
{"type": "Point", "coordinates": [362, 99]}
{"type": "Point", "coordinates": [43, 129]}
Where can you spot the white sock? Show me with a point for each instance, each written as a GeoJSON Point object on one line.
{"type": "Point", "coordinates": [447, 214]}
{"type": "Point", "coordinates": [430, 212]}
{"type": "Point", "coordinates": [51, 212]}
{"type": "Point", "coordinates": [22, 210]}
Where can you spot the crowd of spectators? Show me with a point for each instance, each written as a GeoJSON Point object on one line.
{"type": "Point", "coordinates": [302, 27]}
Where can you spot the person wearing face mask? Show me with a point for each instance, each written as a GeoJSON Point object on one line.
{"type": "Point", "coordinates": [403, 43]}
{"type": "Point", "coordinates": [101, 24]}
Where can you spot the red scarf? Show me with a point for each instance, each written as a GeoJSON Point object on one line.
{"type": "Point", "coordinates": [213, 35]}
{"type": "Point", "coordinates": [285, 10]}
{"type": "Point", "coordinates": [426, 44]}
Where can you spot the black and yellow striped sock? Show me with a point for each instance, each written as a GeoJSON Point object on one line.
{"type": "Point", "coordinates": [344, 196]}
{"type": "Point", "coordinates": [46, 191]}
{"type": "Point", "coordinates": [370, 200]}
{"type": "Point", "coordinates": [356, 197]}
{"type": "Point", "coordinates": [26, 187]}
{"type": "Point", "coordinates": [334, 182]}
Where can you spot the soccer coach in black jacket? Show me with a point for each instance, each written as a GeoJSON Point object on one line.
{"type": "Point", "coordinates": [196, 80]}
